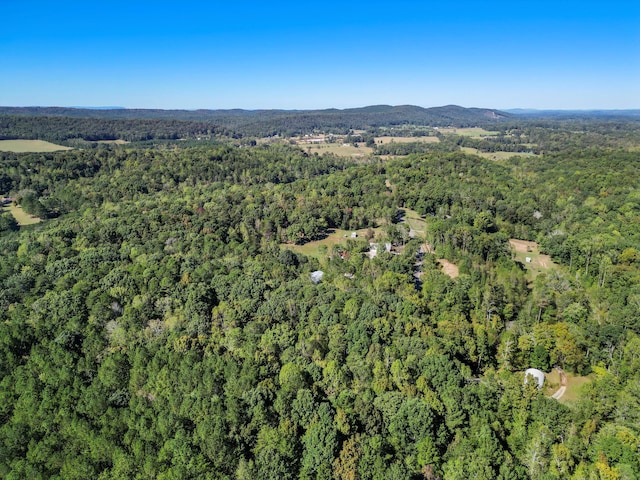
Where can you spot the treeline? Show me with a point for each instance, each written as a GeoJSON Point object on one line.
{"type": "Point", "coordinates": [408, 148]}
{"type": "Point", "coordinates": [158, 328]}
{"type": "Point", "coordinates": [66, 129]}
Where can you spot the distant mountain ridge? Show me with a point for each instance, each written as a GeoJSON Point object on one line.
{"type": "Point", "coordinates": [595, 113]}
{"type": "Point", "coordinates": [278, 120]}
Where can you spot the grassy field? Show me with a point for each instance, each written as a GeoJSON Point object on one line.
{"type": "Point", "coordinates": [539, 262]}
{"type": "Point", "coordinates": [469, 132]}
{"type": "Point", "coordinates": [385, 140]}
{"type": "Point", "coordinates": [496, 155]}
{"type": "Point", "coordinates": [335, 237]}
{"type": "Point", "coordinates": [574, 385]}
{"type": "Point", "coordinates": [22, 217]}
{"type": "Point", "coordinates": [414, 220]}
{"type": "Point", "coordinates": [113, 142]}
{"type": "Point", "coordinates": [35, 146]}
{"type": "Point", "coordinates": [338, 149]}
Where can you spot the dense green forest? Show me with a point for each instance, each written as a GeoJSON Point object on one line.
{"type": "Point", "coordinates": [68, 130]}
{"type": "Point", "coordinates": [162, 321]}
{"type": "Point", "coordinates": [243, 122]}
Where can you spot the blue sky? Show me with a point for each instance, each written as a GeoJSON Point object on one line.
{"type": "Point", "coordinates": [277, 54]}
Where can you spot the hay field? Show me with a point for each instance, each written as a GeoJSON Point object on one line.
{"type": "Point", "coordinates": [385, 140]}
{"type": "Point", "coordinates": [469, 132]}
{"type": "Point", "coordinates": [338, 149]}
{"type": "Point", "coordinates": [32, 146]}
{"type": "Point", "coordinates": [113, 142]}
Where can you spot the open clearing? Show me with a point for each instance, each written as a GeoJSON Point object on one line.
{"type": "Point", "coordinates": [385, 140]}
{"type": "Point", "coordinates": [335, 237]}
{"type": "Point", "coordinates": [112, 142]}
{"type": "Point", "coordinates": [449, 268]}
{"type": "Point", "coordinates": [342, 150]}
{"type": "Point", "coordinates": [573, 386]}
{"type": "Point", "coordinates": [537, 263]}
{"type": "Point", "coordinates": [414, 220]}
{"type": "Point", "coordinates": [496, 155]}
{"type": "Point", "coordinates": [468, 132]}
{"type": "Point", "coordinates": [31, 146]}
{"type": "Point", "coordinates": [22, 217]}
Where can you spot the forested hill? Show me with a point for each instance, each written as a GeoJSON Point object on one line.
{"type": "Point", "coordinates": [65, 129]}
{"type": "Point", "coordinates": [286, 122]}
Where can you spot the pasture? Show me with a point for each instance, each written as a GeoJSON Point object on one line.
{"type": "Point", "coordinates": [469, 132]}
{"type": "Point", "coordinates": [113, 142]}
{"type": "Point", "coordinates": [30, 146]}
{"type": "Point", "coordinates": [385, 140]}
{"type": "Point", "coordinates": [339, 149]}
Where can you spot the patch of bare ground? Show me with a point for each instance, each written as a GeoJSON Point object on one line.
{"type": "Point", "coordinates": [385, 140]}
{"type": "Point", "coordinates": [523, 245]}
{"type": "Point", "coordinates": [449, 268]}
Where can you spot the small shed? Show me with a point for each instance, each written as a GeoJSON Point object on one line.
{"type": "Point", "coordinates": [536, 375]}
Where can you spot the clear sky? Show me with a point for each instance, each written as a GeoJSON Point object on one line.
{"type": "Point", "coordinates": [281, 54]}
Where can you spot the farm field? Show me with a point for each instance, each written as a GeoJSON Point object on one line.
{"type": "Point", "coordinates": [468, 132]}
{"type": "Point", "coordinates": [385, 140]}
{"type": "Point", "coordinates": [339, 149]}
{"type": "Point", "coordinates": [22, 217]}
{"type": "Point", "coordinates": [32, 146]}
{"type": "Point", "coordinates": [113, 142]}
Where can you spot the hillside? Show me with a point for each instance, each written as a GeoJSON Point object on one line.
{"type": "Point", "coordinates": [287, 122]}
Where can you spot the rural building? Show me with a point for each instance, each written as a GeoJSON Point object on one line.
{"type": "Point", "coordinates": [316, 276]}
{"type": "Point", "coordinates": [536, 375]}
